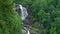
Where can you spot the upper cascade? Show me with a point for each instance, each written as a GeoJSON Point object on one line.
{"type": "Point", "coordinates": [24, 12]}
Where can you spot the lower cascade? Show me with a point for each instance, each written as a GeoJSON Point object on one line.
{"type": "Point", "coordinates": [28, 32]}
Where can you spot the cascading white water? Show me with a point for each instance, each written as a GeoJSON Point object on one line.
{"type": "Point", "coordinates": [24, 14]}
{"type": "Point", "coordinates": [28, 32]}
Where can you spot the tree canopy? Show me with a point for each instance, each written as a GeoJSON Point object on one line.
{"type": "Point", "coordinates": [10, 22]}
{"type": "Point", "coordinates": [45, 15]}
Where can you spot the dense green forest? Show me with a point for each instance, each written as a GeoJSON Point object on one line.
{"type": "Point", "coordinates": [45, 16]}
{"type": "Point", "coordinates": [10, 22]}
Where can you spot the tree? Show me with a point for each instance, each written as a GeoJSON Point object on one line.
{"type": "Point", "coordinates": [10, 22]}
{"type": "Point", "coordinates": [45, 15]}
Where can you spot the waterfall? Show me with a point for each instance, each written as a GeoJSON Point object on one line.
{"type": "Point", "coordinates": [28, 32]}
{"type": "Point", "coordinates": [24, 14]}
{"type": "Point", "coordinates": [22, 11]}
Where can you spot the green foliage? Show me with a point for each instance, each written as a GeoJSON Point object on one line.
{"type": "Point", "coordinates": [10, 22]}
{"type": "Point", "coordinates": [45, 14]}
